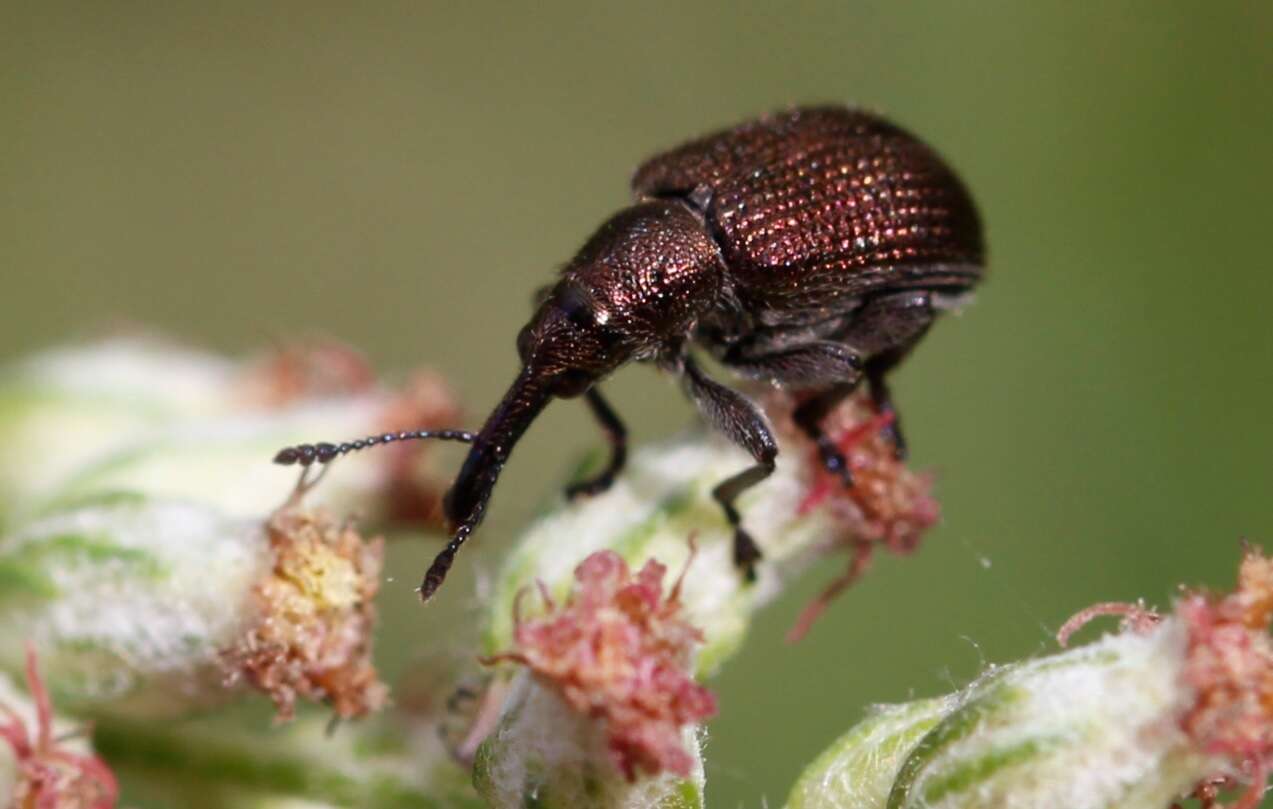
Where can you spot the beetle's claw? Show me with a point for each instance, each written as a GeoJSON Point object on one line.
{"type": "Point", "coordinates": [746, 554]}
{"type": "Point", "coordinates": [894, 434]}
{"type": "Point", "coordinates": [834, 462]}
{"type": "Point", "coordinates": [589, 488]}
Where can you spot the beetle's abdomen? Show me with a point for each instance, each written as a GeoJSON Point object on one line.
{"type": "Point", "coordinates": [821, 204]}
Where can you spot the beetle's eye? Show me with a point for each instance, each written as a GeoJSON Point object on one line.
{"type": "Point", "coordinates": [576, 305]}
{"type": "Point", "coordinates": [523, 343]}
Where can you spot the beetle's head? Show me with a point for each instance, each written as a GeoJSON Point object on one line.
{"type": "Point", "coordinates": [573, 340]}
{"type": "Point", "coordinates": [565, 348]}
{"type": "Point", "coordinates": [638, 283]}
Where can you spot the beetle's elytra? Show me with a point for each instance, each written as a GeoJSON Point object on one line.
{"type": "Point", "coordinates": [810, 249]}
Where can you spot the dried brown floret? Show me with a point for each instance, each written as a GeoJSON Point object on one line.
{"type": "Point", "coordinates": [413, 492]}
{"type": "Point", "coordinates": [304, 370]}
{"type": "Point", "coordinates": [1136, 618]}
{"type": "Point", "coordinates": [620, 652]}
{"type": "Point", "coordinates": [314, 369]}
{"type": "Point", "coordinates": [312, 635]}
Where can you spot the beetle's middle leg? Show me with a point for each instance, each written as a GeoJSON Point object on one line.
{"type": "Point", "coordinates": [617, 435]}
{"type": "Point", "coordinates": [730, 412]}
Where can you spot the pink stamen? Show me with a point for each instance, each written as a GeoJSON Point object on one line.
{"type": "Point", "coordinates": [1135, 616]}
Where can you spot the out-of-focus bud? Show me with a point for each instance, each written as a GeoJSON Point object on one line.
{"type": "Point", "coordinates": [42, 761]}
{"type": "Point", "coordinates": [141, 416]}
{"type": "Point", "coordinates": [1136, 720]}
{"type": "Point", "coordinates": [859, 769]}
{"type": "Point", "coordinates": [382, 763]}
{"type": "Point", "coordinates": [148, 606]}
{"type": "Point", "coordinates": [63, 408]}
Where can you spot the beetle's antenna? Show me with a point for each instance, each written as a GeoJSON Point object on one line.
{"type": "Point", "coordinates": [324, 452]}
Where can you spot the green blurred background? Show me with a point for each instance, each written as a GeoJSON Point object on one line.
{"type": "Point", "coordinates": [402, 176]}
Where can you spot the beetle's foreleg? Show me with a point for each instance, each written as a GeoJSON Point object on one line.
{"type": "Point", "coordinates": [616, 434]}
{"type": "Point", "coordinates": [740, 420]}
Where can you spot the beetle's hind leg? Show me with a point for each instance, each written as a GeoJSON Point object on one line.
{"type": "Point", "coordinates": [887, 328]}
{"type": "Point", "coordinates": [616, 434]}
{"type": "Point", "coordinates": [740, 420]}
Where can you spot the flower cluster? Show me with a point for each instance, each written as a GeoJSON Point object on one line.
{"type": "Point", "coordinates": [617, 650]}
{"type": "Point", "coordinates": [144, 550]}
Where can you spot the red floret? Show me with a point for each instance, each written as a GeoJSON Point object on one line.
{"type": "Point", "coordinates": [1229, 664]}
{"type": "Point", "coordinates": [49, 775]}
{"type": "Point", "coordinates": [618, 651]}
{"type": "Point", "coordinates": [888, 503]}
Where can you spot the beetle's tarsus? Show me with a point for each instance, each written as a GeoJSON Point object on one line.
{"type": "Point", "coordinates": [893, 432]}
{"type": "Point", "coordinates": [746, 554]}
{"type": "Point", "coordinates": [883, 401]}
{"type": "Point", "coordinates": [590, 487]}
{"type": "Point", "coordinates": [833, 460]}
{"type": "Point", "coordinates": [808, 416]}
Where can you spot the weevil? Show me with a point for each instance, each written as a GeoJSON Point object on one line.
{"type": "Point", "coordinates": [809, 249]}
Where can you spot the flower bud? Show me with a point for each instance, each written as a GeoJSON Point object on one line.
{"type": "Point", "coordinates": [1136, 720]}
{"type": "Point", "coordinates": [382, 763]}
{"type": "Point", "coordinates": [138, 416]}
{"type": "Point", "coordinates": [148, 606]}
